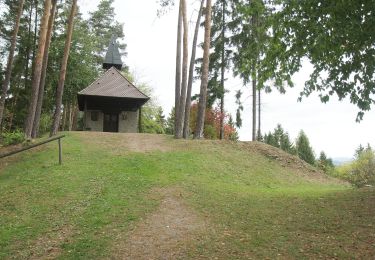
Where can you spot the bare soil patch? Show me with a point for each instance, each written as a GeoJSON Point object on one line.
{"type": "Point", "coordinates": [167, 233]}
{"type": "Point", "coordinates": [119, 143]}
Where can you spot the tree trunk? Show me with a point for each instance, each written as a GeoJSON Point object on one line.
{"type": "Point", "coordinates": [13, 108]}
{"type": "Point", "coordinates": [222, 75]}
{"type": "Point", "coordinates": [259, 132]}
{"type": "Point", "coordinates": [64, 118]}
{"type": "Point", "coordinates": [182, 102]}
{"type": "Point", "coordinates": [204, 81]}
{"type": "Point", "coordinates": [39, 104]}
{"type": "Point", "coordinates": [35, 37]}
{"type": "Point", "coordinates": [75, 117]}
{"type": "Point", "coordinates": [37, 69]}
{"type": "Point", "coordinates": [254, 88]}
{"type": "Point", "coordinates": [60, 86]}
{"type": "Point", "coordinates": [27, 56]}
{"type": "Point", "coordinates": [8, 71]}
{"type": "Point", "coordinates": [191, 74]}
{"type": "Point", "coordinates": [178, 67]}
{"type": "Point", "coordinates": [70, 117]}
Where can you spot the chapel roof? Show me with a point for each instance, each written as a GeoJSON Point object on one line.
{"type": "Point", "coordinates": [113, 84]}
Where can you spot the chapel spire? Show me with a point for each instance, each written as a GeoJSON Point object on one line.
{"type": "Point", "coordinates": [113, 56]}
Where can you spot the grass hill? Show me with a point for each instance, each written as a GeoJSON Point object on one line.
{"type": "Point", "coordinates": [138, 196]}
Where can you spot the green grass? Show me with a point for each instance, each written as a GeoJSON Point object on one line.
{"type": "Point", "coordinates": [256, 207]}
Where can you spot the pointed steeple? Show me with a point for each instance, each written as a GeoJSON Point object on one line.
{"type": "Point", "coordinates": [113, 57]}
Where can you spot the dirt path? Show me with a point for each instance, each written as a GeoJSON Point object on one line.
{"type": "Point", "coordinates": [119, 143]}
{"type": "Point", "coordinates": [165, 234]}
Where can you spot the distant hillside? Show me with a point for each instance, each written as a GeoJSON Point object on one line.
{"type": "Point", "coordinates": [341, 160]}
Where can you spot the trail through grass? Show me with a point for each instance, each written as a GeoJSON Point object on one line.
{"type": "Point", "coordinates": [255, 207]}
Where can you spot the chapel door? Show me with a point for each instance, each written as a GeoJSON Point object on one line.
{"type": "Point", "coordinates": [110, 123]}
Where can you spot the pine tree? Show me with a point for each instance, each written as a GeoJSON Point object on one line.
{"type": "Point", "coordinates": [204, 80]}
{"type": "Point", "coordinates": [103, 25]}
{"type": "Point", "coordinates": [60, 86]}
{"type": "Point", "coordinates": [178, 69]}
{"type": "Point", "coordinates": [304, 150]}
{"type": "Point", "coordinates": [180, 115]}
{"type": "Point", "coordinates": [8, 70]}
{"type": "Point", "coordinates": [38, 110]}
{"type": "Point", "coordinates": [186, 129]}
{"type": "Point", "coordinates": [37, 69]}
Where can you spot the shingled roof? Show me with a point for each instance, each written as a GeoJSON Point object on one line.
{"type": "Point", "coordinates": [113, 84]}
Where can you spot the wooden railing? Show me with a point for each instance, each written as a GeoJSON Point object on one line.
{"type": "Point", "coordinates": [58, 138]}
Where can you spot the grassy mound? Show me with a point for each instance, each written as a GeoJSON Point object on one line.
{"type": "Point", "coordinates": [259, 202]}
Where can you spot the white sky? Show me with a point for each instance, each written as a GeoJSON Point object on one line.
{"type": "Point", "coordinates": [151, 44]}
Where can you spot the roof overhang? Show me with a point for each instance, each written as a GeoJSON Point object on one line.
{"type": "Point", "coordinates": [103, 103]}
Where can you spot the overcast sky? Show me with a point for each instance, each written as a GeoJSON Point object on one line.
{"type": "Point", "coordinates": [151, 44]}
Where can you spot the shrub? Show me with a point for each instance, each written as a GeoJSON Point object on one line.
{"type": "Point", "coordinates": [15, 137]}
{"type": "Point", "coordinates": [360, 172]}
{"type": "Point", "coordinates": [210, 132]}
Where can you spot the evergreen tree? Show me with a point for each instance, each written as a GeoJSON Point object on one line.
{"type": "Point", "coordinates": [8, 71]}
{"type": "Point", "coordinates": [205, 70]}
{"type": "Point", "coordinates": [60, 87]}
{"type": "Point", "coordinates": [170, 123]}
{"type": "Point", "coordinates": [103, 25]}
{"type": "Point", "coordinates": [325, 163]}
{"type": "Point", "coordinates": [304, 150]}
{"type": "Point", "coordinates": [37, 69]}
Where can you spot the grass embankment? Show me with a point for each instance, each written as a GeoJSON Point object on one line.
{"type": "Point", "coordinates": [256, 206]}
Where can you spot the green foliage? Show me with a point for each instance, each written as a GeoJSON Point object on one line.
{"type": "Point", "coordinates": [169, 129]}
{"type": "Point", "coordinates": [361, 171]}
{"type": "Point", "coordinates": [210, 132]}
{"type": "Point", "coordinates": [325, 164]}
{"type": "Point", "coordinates": [45, 124]}
{"type": "Point", "coordinates": [15, 137]}
{"type": "Point", "coordinates": [152, 120]}
{"type": "Point", "coordinates": [304, 150]}
{"type": "Point", "coordinates": [103, 26]}
{"type": "Point", "coordinates": [239, 109]}
{"type": "Point", "coordinates": [336, 38]}
{"type": "Point", "coordinates": [280, 139]}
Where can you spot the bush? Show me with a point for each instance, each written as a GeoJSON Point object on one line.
{"type": "Point", "coordinates": [360, 172]}
{"type": "Point", "coordinates": [210, 132]}
{"type": "Point", "coordinates": [15, 137]}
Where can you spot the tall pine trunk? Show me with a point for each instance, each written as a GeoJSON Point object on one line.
{"type": "Point", "coordinates": [37, 69]}
{"type": "Point", "coordinates": [8, 70]}
{"type": "Point", "coordinates": [178, 69]}
{"type": "Point", "coordinates": [259, 132]}
{"type": "Point", "coordinates": [39, 104]}
{"type": "Point", "coordinates": [60, 86]}
{"type": "Point", "coordinates": [204, 80]}
{"type": "Point", "coordinates": [185, 53]}
{"type": "Point", "coordinates": [28, 48]}
{"type": "Point", "coordinates": [222, 75]}
{"type": "Point", "coordinates": [191, 74]}
{"type": "Point", "coordinates": [254, 89]}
